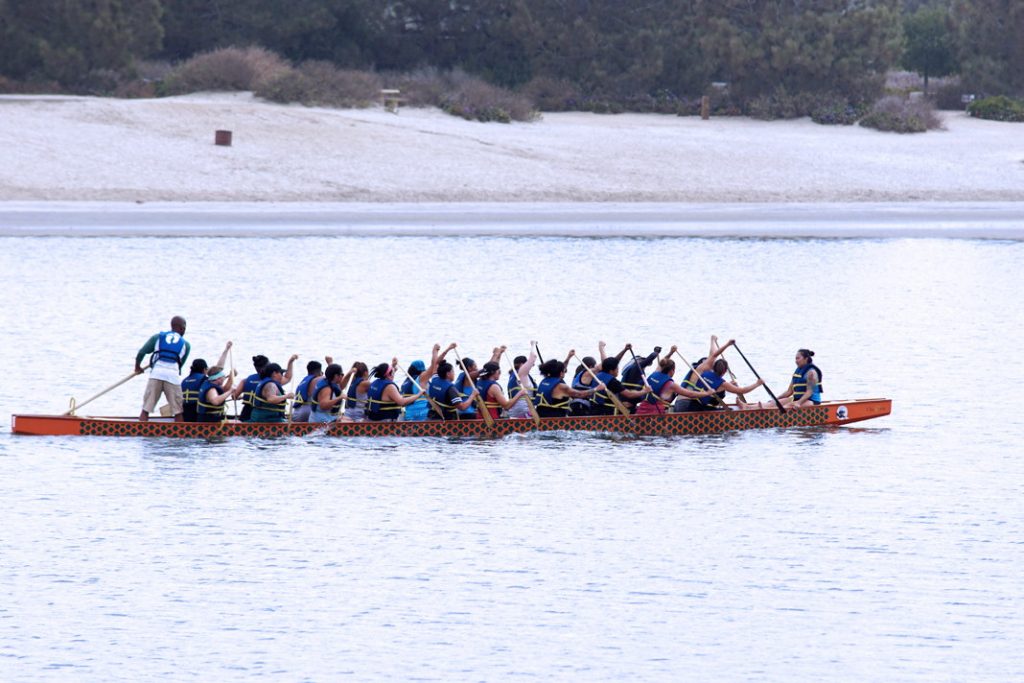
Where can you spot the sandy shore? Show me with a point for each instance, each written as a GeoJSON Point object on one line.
{"type": "Point", "coordinates": [72, 163]}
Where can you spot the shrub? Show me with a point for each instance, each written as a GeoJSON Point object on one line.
{"type": "Point", "coordinates": [476, 100]}
{"type": "Point", "coordinates": [552, 94]}
{"type": "Point", "coordinates": [321, 84]}
{"type": "Point", "coordinates": [947, 96]}
{"type": "Point", "coordinates": [1000, 108]}
{"type": "Point", "coordinates": [229, 68]}
{"type": "Point", "coordinates": [898, 115]}
{"type": "Point", "coordinates": [836, 110]}
{"type": "Point", "coordinates": [780, 104]}
{"type": "Point", "coordinates": [424, 87]}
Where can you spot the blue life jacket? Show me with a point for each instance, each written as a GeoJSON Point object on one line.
{"type": "Point", "coordinates": [547, 404]}
{"type": "Point", "coordinates": [438, 391]}
{"type": "Point", "coordinates": [378, 408]}
{"type": "Point", "coordinates": [204, 408]}
{"type": "Point", "coordinates": [302, 392]}
{"type": "Point", "coordinates": [657, 380]}
{"type": "Point", "coordinates": [714, 381]}
{"type": "Point", "coordinates": [417, 410]}
{"type": "Point", "coordinates": [602, 398]}
{"type": "Point", "coordinates": [352, 399]}
{"type": "Point", "coordinates": [799, 380]}
{"type": "Point", "coordinates": [190, 387]}
{"type": "Point", "coordinates": [249, 388]}
{"type": "Point", "coordinates": [484, 386]}
{"type": "Point", "coordinates": [170, 346]}
{"type": "Point", "coordinates": [465, 387]}
{"type": "Point", "coordinates": [260, 403]}
{"type": "Point", "coordinates": [691, 382]}
{"type": "Point", "coordinates": [335, 392]}
{"type": "Point", "coordinates": [513, 385]}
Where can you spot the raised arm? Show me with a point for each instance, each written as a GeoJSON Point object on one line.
{"type": "Point", "coordinates": [224, 355]}
{"type": "Point", "coordinates": [288, 371]}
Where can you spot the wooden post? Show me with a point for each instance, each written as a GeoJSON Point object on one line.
{"type": "Point", "coordinates": [705, 107]}
{"type": "Point", "coordinates": [222, 138]}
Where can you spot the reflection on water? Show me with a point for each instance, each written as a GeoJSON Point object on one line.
{"type": "Point", "coordinates": [883, 552]}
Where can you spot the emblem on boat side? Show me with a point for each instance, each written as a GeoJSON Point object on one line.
{"type": "Point", "coordinates": [841, 413]}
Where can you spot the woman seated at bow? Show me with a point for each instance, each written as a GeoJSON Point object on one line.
{"type": "Point", "coordinates": [553, 394]}
{"type": "Point", "coordinates": [805, 384]}
{"type": "Point", "coordinates": [385, 401]}
{"type": "Point", "coordinates": [212, 395]}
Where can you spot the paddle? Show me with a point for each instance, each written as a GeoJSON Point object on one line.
{"type": "Point", "coordinates": [777, 402]}
{"type": "Point", "coordinates": [615, 399]}
{"type": "Point", "coordinates": [234, 400]}
{"type": "Point", "coordinates": [701, 378]}
{"type": "Point", "coordinates": [522, 391]}
{"type": "Point", "coordinates": [423, 391]}
{"type": "Point", "coordinates": [646, 381]}
{"type": "Point", "coordinates": [740, 398]}
{"type": "Point", "coordinates": [75, 406]}
{"type": "Point", "coordinates": [486, 414]}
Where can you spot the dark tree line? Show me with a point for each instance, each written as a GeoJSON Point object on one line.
{"type": "Point", "coordinates": [603, 47]}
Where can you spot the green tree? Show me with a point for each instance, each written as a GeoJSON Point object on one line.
{"type": "Point", "coordinates": [991, 42]}
{"type": "Point", "coordinates": [930, 44]}
{"type": "Point", "coordinates": [64, 40]}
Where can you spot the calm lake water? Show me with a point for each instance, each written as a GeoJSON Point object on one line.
{"type": "Point", "coordinates": [891, 551]}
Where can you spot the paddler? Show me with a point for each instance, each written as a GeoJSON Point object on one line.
{"type": "Point", "coordinates": [168, 353]}
{"type": "Point", "coordinates": [520, 377]}
{"type": "Point", "coordinates": [247, 389]}
{"type": "Point", "coordinates": [191, 384]}
{"type": "Point", "coordinates": [328, 394]}
{"type": "Point", "coordinates": [385, 401]}
{"type": "Point", "coordinates": [302, 406]}
{"type": "Point", "coordinates": [603, 404]}
{"type": "Point", "coordinates": [664, 389]}
{"type": "Point", "coordinates": [270, 399]}
{"type": "Point", "coordinates": [358, 393]}
{"type": "Point", "coordinates": [554, 395]}
{"type": "Point", "coordinates": [444, 395]}
{"type": "Point", "coordinates": [805, 383]}
{"type": "Point", "coordinates": [490, 390]}
{"type": "Point", "coordinates": [213, 393]}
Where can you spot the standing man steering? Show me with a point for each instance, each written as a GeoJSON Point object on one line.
{"type": "Point", "coordinates": [169, 352]}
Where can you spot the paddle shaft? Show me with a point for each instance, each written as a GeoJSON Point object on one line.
{"type": "Point", "coordinates": [701, 378]}
{"type": "Point", "coordinates": [481, 406]}
{"type": "Point", "coordinates": [425, 394]}
{"type": "Point", "coordinates": [615, 399]}
{"type": "Point", "coordinates": [770, 393]}
{"type": "Point", "coordinates": [522, 389]}
{"type": "Point", "coordinates": [105, 391]}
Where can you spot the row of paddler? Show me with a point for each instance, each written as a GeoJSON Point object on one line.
{"type": "Point", "coordinates": [596, 388]}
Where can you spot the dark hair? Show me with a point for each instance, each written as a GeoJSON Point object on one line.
{"type": "Point", "coordinates": [259, 362]}
{"type": "Point", "coordinates": [443, 368]}
{"type": "Point", "coordinates": [198, 365]}
{"type": "Point", "coordinates": [721, 367]}
{"type": "Point", "coordinates": [518, 360]}
{"type": "Point", "coordinates": [667, 366]}
{"type": "Point", "coordinates": [468, 363]}
{"type": "Point", "coordinates": [380, 370]}
{"type": "Point", "coordinates": [269, 369]}
{"type": "Point", "coordinates": [360, 368]}
{"type": "Point", "coordinates": [313, 366]}
{"type": "Point", "coordinates": [806, 353]}
{"type": "Point", "coordinates": [552, 368]}
{"type": "Point", "coordinates": [488, 369]}
{"type": "Point", "coordinates": [333, 370]}
{"type": "Point", "coordinates": [610, 365]}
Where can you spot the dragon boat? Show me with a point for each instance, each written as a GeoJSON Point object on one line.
{"type": "Point", "coordinates": [831, 413]}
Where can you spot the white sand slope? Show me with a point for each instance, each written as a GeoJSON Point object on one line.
{"type": "Point", "coordinates": [89, 149]}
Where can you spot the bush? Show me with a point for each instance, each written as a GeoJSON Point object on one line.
{"type": "Point", "coordinates": [778, 105]}
{"type": "Point", "coordinates": [229, 68]}
{"type": "Point", "coordinates": [832, 110]}
{"type": "Point", "coordinates": [424, 87]}
{"type": "Point", "coordinates": [898, 115]}
{"type": "Point", "coordinates": [476, 100]}
{"type": "Point", "coordinates": [947, 96]}
{"type": "Point", "coordinates": [321, 84]}
{"type": "Point", "coordinates": [552, 94]}
{"type": "Point", "coordinates": [1000, 108]}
